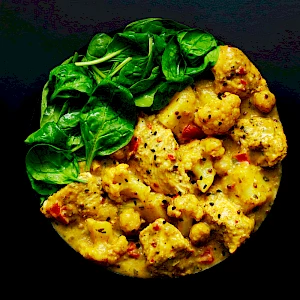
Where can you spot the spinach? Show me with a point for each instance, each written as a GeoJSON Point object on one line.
{"type": "Point", "coordinates": [52, 165]}
{"type": "Point", "coordinates": [51, 134]}
{"type": "Point", "coordinates": [97, 46]}
{"type": "Point", "coordinates": [107, 120]}
{"type": "Point", "coordinates": [66, 81]}
{"type": "Point", "coordinates": [90, 102]}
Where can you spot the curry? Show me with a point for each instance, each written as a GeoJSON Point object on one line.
{"type": "Point", "coordinates": [197, 179]}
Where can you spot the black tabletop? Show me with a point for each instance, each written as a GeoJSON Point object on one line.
{"type": "Point", "coordinates": [35, 36]}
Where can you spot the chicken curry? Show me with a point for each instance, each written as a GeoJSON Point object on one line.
{"type": "Point", "coordinates": [196, 180]}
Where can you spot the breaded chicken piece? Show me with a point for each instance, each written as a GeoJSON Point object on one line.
{"type": "Point", "coordinates": [157, 160]}
{"type": "Point", "coordinates": [215, 114]}
{"type": "Point", "coordinates": [263, 135]}
{"type": "Point", "coordinates": [236, 74]}
{"type": "Point", "coordinates": [229, 220]}
{"type": "Point", "coordinates": [164, 246]}
{"type": "Point", "coordinates": [75, 199]}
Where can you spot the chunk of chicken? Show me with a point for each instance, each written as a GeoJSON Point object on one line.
{"type": "Point", "coordinates": [234, 226]}
{"type": "Point", "coordinates": [157, 160]}
{"type": "Point", "coordinates": [263, 135]}
{"type": "Point", "coordinates": [75, 199]}
{"type": "Point", "coordinates": [236, 74]}
{"type": "Point", "coordinates": [164, 246]}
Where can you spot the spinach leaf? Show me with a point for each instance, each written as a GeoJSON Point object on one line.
{"type": "Point", "coordinates": [51, 134]}
{"type": "Point", "coordinates": [43, 188]}
{"type": "Point", "coordinates": [165, 28]}
{"type": "Point", "coordinates": [173, 64]}
{"type": "Point", "coordinates": [107, 120]}
{"type": "Point", "coordinates": [144, 84]}
{"type": "Point", "coordinates": [68, 80]}
{"type": "Point", "coordinates": [69, 120]}
{"type": "Point", "coordinates": [166, 91]}
{"type": "Point", "coordinates": [209, 61]}
{"type": "Point", "coordinates": [52, 165]}
{"type": "Point", "coordinates": [194, 44]}
{"type": "Point", "coordinates": [98, 46]}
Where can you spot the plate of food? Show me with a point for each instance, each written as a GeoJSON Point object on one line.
{"type": "Point", "coordinates": [158, 152]}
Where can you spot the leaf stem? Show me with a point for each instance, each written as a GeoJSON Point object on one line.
{"type": "Point", "coordinates": [102, 59]}
{"type": "Point", "coordinates": [120, 66]}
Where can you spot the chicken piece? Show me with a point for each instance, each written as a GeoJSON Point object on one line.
{"type": "Point", "coordinates": [199, 233]}
{"type": "Point", "coordinates": [186, 208]}
{"type": "Point", "coordinates": [75, 199]}
{"type": "Point", "coordinates": [121, 183]}
{"type": "Point", "coordinates": [236, 74]}
{"type": "Point", "coordinates": [157, 160]}
{"type": "Point", "coordinates": [108, 245]}
{"type": "Point", "coordinates": [234, 227]}
{"type": "Point", "coordinates": [164, 246]}
{"type": "Point", "coordinates": [244, 184]}
{"type": "Point", "coordinates": [263, 100]}
{"type": "Point", "coordinates": [216, 114]}
{"type": "Point", "coordinates": [130, 221]}
{"type": "Point", "coordinates": [197, 156]}
{"type": "Point", "coordinates": [263, 135]}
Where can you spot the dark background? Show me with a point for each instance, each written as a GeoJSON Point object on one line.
{"type": "Point", "coordinates": [36, 36]}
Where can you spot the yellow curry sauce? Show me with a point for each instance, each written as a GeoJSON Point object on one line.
{"type": "Point", "coordinates": [197, 179]}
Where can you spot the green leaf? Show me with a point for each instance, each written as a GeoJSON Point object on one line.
{"type": "Point", "coordinates": [68, 80]}
{"type": "Point", "coordinates": [194, 45]}
{"type": "Point", "coordinates": [51, 134]}
{"type": "Point", "coordinates": [43, 188]}
{"type": "Point", "coordinates": [166, 91]}
{"type": "Point", "coordinates": [210, 60]}
{"type": "Point", "coordinates": [98, 46]}
{"type": "Point", "coordinates": [52, 165]}
{"type": "Point", "coordinates": [143, 85]}
{"type": "Point", "coordinates": [173, 64]}
{"type": "Point", "coordinates": [108, 120]}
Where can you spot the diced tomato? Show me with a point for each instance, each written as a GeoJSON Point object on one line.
{"type": "Point", "coordinates": [207, 257]}
{"type": "Point", "coordinates": [156, 226]}
{"type": "Point", "coordinates": [242, 157]}
{"type": "Point", "coordinates": [171, 157]}
{"type": "Point", "coordinates": [191, 132]}
{"type": "Point", "coordinates": [244, 82]}
{"type": "Point", "coordinates": [132, 250]}
{"type": "Point", "coordinates": [133, 144]}
{"type": "Point", "coordinates": [56, 213]}
{"type": "Point", "coordinates": [241, 71]}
